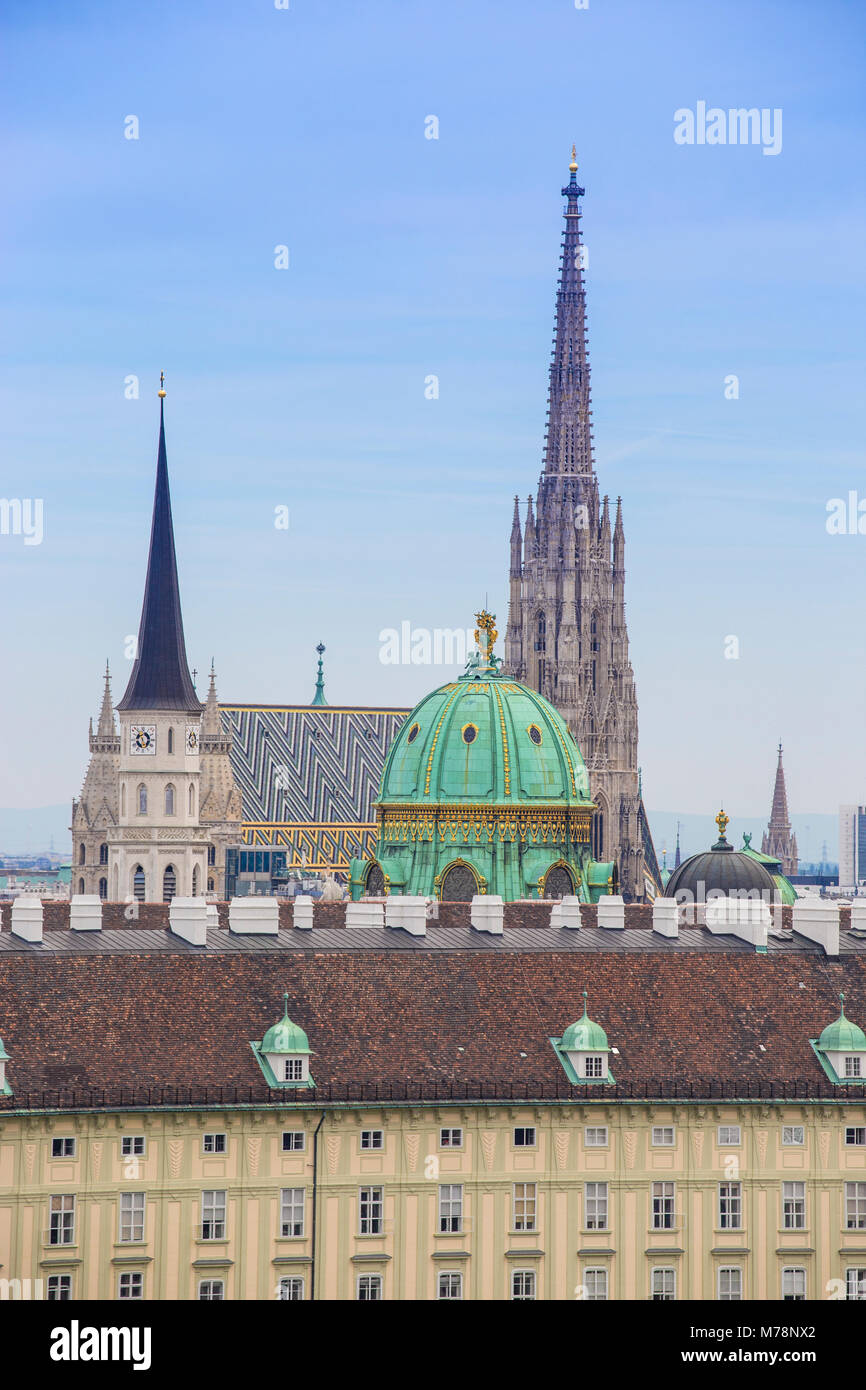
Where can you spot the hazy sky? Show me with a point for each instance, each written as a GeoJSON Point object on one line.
{"type": "Point", "coordinates": [409, 257]}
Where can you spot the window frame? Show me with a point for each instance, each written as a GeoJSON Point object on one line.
{"type": "Point", "coordinates": [293, 1148]}
{"type": "Point", "coordinates": [132, 1278]}
{"type": "Point", "coordinates": [730, 1143]}
{"type": "Point", "coordinates": [794, 1143]}
{"type": "Point", "coordinates": [292, 1200]}
{"type": "Point", "coordinates": [374, 1202]}
{"type": "Point", "coordinates": [293, 1281]}
{"type": "Point", "coordinates": [64, 1139]}
{"type": "Point", "coordinates": [451, 1275]}
{"type": "Point", "coordinates": [451, 1143]}
{"type": "Point", "coordinates": [526, 1203]}
{"type": "Point", "coordinates": [218, 1150]}
{"type": "Point", "coordinates": [729, 1296]}
{"type": "Point", "coordinates": [527, 1280]}
{"type": "Point", "coordinates": [662, 1295]}
{"type": "Point", "coordinates": [663, 1217]}
{"type": "Point", "coordinates": [58, 1288]}
{"type": "Point", "coordinates": [597, 1216]}
{"type": "Point", "coordinates": [132, 1219]}
{"type": "Point", "coordinates": [212, 1296]}
{"type": "Point", "coordinates": [596, 1129]}
{"type": "Point", "coordinates": [860, 1283]}
{"type": "Point", "coordinates": [373, 1284]}
{"type": "Point", "coordinates": [795, 1297]}
{"type": "Point", "coordinates": [450, 1208]}
{"type": "Point", "coordinates": [793, 1205]}
{"type": "Point", "coordinates": [855, 1192]}
{"type": "Point", "coordinates": [524, 1142]}
{"type": "Point", "coordinates": [210, 1202]}
{"type": "Point", "coordinates": [63, 1230]}
{"type": "Point", "coordinates": [132, 1140]}
{"type": "Point", "coordinates": [856, 1142]}
{"type": "Point", "coordinates": [730, 1210]}
{"type": "Point", "coordinates": [660, 1143]}
{"type": "Point", "coordinates": [599, 1276]}
{"type": "Point", "coordinates": [372, 1146]}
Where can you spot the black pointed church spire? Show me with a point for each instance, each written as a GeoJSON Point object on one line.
{"type": "Point", "coordinates": [160, 678]}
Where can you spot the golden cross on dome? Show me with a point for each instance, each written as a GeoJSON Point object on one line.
{"type": "Point", "coordinates": [573, 165]}
{"type": "Point", "coordinates": [722, 821]}
{"type": "Point", "coordinates": [486, 624]}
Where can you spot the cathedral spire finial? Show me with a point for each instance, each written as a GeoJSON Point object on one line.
{"type": "Point", "coordinates": [319, 697]}
{"type": "Point", "coordinates": [573, 165]}
{"type": "Point", "coordinates": [161, 391]}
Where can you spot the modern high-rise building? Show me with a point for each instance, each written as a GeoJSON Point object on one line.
{"type": "Point", "coordinates": [852, 846]}
{"type": "Point", "coordinates": [567, 633]}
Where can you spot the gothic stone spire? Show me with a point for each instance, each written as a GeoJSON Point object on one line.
{"type": "Point", "coordinates": [778, 839]}
{"type": "Point", "coordinates": [160, 678]}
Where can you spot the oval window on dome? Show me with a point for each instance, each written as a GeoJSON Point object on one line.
{"type": "Point", "coordinates": [536, 735]}
{"type": "Point", "coordinates": [413, 733]}
{"type": "Point", "coordinates": [470, 733]}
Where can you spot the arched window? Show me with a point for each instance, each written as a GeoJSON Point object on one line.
{"type": "Point", "coordinates": [191, 799]}
{"type": "Point", "coordinates": [169, 884]}
{"type": "Point", "coordinates": [103, 854]}
{"type": "Point", "coordinates": [459, 885]}
{"type": "Point", "coordinates": [210, 886]}
{"type": "Point", "coordinates": [593, 646]}
{"type": "Point", "coordinates": [82, 856]}
{"type": "Point", "coordinates": [211, 855]}
{"type": "Point", "coordinates": [374, 885]}
{"type": "Point", "coordinates": [142, 799]}
{"type": "Point", "coordinates": [195, 881]}
{"type": "Point", "coordinates": [138, 883]}
{"type": "Point", "coordinates": [558, 882]}
{"type": "Point", "coordinates": [103, 888]}
{"type": "Point", "coordinates": [596, 834]}
{"type": "Point", "coordinates": [541, 633]}
{"type": "Point", "coordinates": [169, 800]}
{"type": "Point", "coordinates": [123, 798]}
{"type": "Point", "coordinates": [171, 740]}
{"type": "Point", "coordinates": [81, 885]}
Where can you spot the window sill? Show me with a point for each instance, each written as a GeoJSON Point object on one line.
{"type": "Point", "coordinates": [728, 1230]}
{"type": "Point", "coordinates": [131, 1244]}
{"type": "Point", "coordinates": [210, 1242]}
{"type": "Point", "coordinates": [527, 1231]}
{"type": "Point", "coordinates": [291, 1240]}
{"type": "Point", "coordinates": [595, 1230]}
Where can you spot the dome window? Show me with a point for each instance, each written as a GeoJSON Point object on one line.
{"type": "Point", "coordinates": [284, 1053]}
{"type": "Point", "coordinates": [536, 735]}
{"type": "Point", "coordinates": [469, 732]}
{"type": "Point", "coordinates": [5, 1088]}
{"type": "Point", "coordinates": [413, 733]}
{"type": "Point", "coordinates": [841, 1050]}
{"type": "Point", "coordinates": [583, 1051]}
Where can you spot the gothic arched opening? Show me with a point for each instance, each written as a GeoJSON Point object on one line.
{"type": "Point", "coordinates": [374, 884]}
{"type": "Point", "coordinates": [558, 883]}
{"type": "Point", "coordinates": [138, 884]}
{"type": "Point", "coordinates": [459, 885]}
{"type": "Point", "coordinates": [103, 888]}
{"type": "Point", "coordinates": [169, 883]}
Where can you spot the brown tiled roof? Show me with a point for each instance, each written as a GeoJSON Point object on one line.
{"type": "Point", "coordinates": [394, 1022]}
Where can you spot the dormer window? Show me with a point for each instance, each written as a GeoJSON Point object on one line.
{"type": "Point", "coordinates": [284, 1053]}
{"type": "Point", "coordinates": [5, 1088]}
{"type": "Point", "coordinates": [583, 1051]}
{"type": "Point", "coordinates": [841, 1050]}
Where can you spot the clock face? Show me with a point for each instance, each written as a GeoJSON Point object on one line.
{"type": "Point", "coordinates": [192, 738]}
{"type": "Point", "coordinates": [142, 738]}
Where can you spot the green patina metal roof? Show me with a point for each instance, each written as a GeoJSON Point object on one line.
{"type": "Point", "coordinates": [4, 1055]}
{"type": "Point", "coordinates": [785, 887]}
{"type": "Point", "coordinates": [584, 1036]}
{"type": "Point", "coordinates": [285, 1036]}
{"type": "Point", "coordinates": [842, 1035]}
{"type": "Point", "coordinates": [485, 738]}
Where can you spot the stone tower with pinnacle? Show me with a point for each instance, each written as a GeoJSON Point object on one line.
{"type": "Point", "coordinates": [778, 840]}
{"type": "Point", "coordinates": [566, 633]}
{"type": "Point", "coordinates": [95, 813]}
{"type": "Point", "coordinates": [220, 811]}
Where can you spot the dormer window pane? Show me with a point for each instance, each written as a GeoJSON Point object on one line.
{"type": "Point", "coordinates": [852, 1066]}
{"type": "Point", "coordinates": [593, 1066]}
{"type": "Point", "coordinates": [294, 1069]}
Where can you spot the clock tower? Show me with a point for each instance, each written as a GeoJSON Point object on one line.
{"type": "Point", "coordinates": [158, 848]}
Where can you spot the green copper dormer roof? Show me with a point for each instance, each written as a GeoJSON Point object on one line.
{"type": "Point", "coordinates": [4, 1055]}
{"type": "Point", "coordinates": [5, 1088]}
{"type": "Point", "coordinates": [584, 1036]}
{"type": "Point", "coordinates": [485, 738]}
{"type": "Point", "coordinates": [843, 1035]}
{"type": "Point", "coordinates": [285, 1036]}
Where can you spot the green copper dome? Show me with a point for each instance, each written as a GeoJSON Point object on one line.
{"type": "Point", "coordinates": [843, 1035]}
{"type": "Point", "coordinates": [584, 1036]}
{"type": "Point", "coordinates": [285, 1036]}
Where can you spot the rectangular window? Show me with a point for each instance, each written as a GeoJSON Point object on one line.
{"type": "Point", "coordinates": [213, 1144]}
{"type": "Point", "coordinates": [451, 1206]}
{"type": "Point", "coordinates": [449, 1285]}
{"type": "Point", "coordinates": [794, 1285]}
{"type": "Point", "coordinates": [130, 1286]}
{"type": "Point", "coordinates": [370, 1205]}
{"type": "Point", "coordinates": [793, 1134]}
{"type": "Point", "coordinates": [62, 1224]}
{"type": "Point", "coordinates": [524, 1138]}
{"type": "Point", "coordinates": [663, 1136]}
{"type": "Point", "coordinates": [372, 1138]}
{"type": "Point", "coordinates": [213, 1215]}
{"type": "Point", "coordinates": [595, 1203]}
{"type": "Point", "coordinates": [132, 1146]}
{"type": "Point", "coordinates": [595, 1285]}
{"type": "Point", "coordinates": [59, 1288]}
{"type": "Point", "coordinates": [293, 1069]}
{"type": "Point", "coordinates": [594, 1066]}
{"type": "Point", "coordinates": [524, 1206]}
{"type": "Point", "coordinates": [852, 1066]}
{"type": "Point", "coordinates": [63, 1148]}
{"type": "Point", "coordinates": [663, 1206]}
{"type": "Point", "coordinates": [292, 1211]}
{"type": "Point", "coordinates": [369, 1288]}
{"type": "Point", "coordinates": [855, 1206]}
{"type": "Point", "coordinates": [595, 1137]}
{"type": "Point", "coordinates": [730, 1206]}
{"type": "Point", "coordinates": [211, 1290]}
{"type": "Point", "coordinates": [855, 1284]}
{"type": "Point", "coordinates": [131, 1216]}
{"type": "Point", "coordinates": [855, 1136]}
{"type": "Point", "coordinates": [663, 1285]}
{"type": "Point", "coordinates": [730, 1284]}
{"type": "Point", "coordinates": [294, 1141]}
{"type": "Point", "coordinates": [794, 1206]}
{"type": "Point", "coordinates": [729, 1136]}
{"type": "Point", "coordinates": [522, 1284]}
{"type": "Point", "coordinates": [292, 1289]}
{"type": "Point", "coordinates": [451, 1138]}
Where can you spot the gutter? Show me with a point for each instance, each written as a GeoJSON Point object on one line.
{"type": "Point", "coordinates": [315, 1203]}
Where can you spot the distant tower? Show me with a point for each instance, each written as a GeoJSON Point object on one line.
{"type": "Point", "coordinates": [778, 839]}
{"type": "Point", "coordinates": [95, 813]}
{"type": "Point", "coordinates": [677, 857]}
{"type": "Point", "coordinates": [159, 849]}
{"type": "Point", "coordinates": [319, 697]}
{"type": "Point", "coordinates": [566, 632]}
{"type": "Point", "coordinates": [220, 812]}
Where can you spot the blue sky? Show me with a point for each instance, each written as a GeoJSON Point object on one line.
{"type": "Point", "coordinates": [409, 257]}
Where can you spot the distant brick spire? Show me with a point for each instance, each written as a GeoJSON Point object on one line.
{"type": "Point", "coordinates": [160, 678]}
{"type": "Point", "coordinates": [778, 839]}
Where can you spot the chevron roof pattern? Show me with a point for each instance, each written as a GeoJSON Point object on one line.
{"type": "Point", "coordinates": [306, 765]}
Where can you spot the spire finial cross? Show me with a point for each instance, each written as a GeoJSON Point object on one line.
{"type": "Point", "coordinates": [161, 391]}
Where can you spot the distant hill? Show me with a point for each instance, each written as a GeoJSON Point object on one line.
{"type": "Point", "coordinates": [699, 832]}
{"type": "Point", "coordinates": [30, 830]}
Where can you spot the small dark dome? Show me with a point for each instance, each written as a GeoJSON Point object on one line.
{"type": "Point", "coordinates": [721, 869]}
